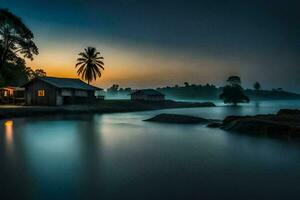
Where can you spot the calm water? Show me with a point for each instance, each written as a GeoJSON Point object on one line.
{"type": "Point", "coordinates": [118, 156]}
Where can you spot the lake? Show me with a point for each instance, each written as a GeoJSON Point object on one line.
{"type": "Point", "coordinates": [119, 156]}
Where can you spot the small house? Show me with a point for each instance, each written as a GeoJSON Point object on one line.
{"type": "Point", "coordinates": [60, 91]}
{"type": "Point", "coordinates": [147, 95]}
{"type": "Point", "coordinates": [11, 95]}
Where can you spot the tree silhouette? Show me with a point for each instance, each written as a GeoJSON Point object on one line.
{"type": "Point", "coordinates": [234, 81]}
{"type": "Point", "coordinates": [31, 74]}
{"type": "Point", "coordinates": [113, 90]}
{"type": "Point", "coordinates": [257, 86]}
{"type": "Point", "coordinates": [90, 64]}
{"type": "Point", "coordinates": [15, 38]}
{"type": "Point", "coordinates": [233, 91]}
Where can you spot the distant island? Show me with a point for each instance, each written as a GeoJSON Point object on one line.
{"type": "Point", "coordinates": [207, 91]}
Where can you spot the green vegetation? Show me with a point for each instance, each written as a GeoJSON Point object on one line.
{"type": "Point", "coordinates": [233, 91]}
{"type": "Point", "coordinates": [90, 64]}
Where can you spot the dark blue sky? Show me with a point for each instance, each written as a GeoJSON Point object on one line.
{"type": "Point", "coordinates": [261, 38]}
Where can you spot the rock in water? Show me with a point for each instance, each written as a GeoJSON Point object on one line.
{"type": "Point", "coordinates": [177, 119]}
{"type": "Point", "coordinates": [285, 123]}
{"type": "Point", "coordinates": [288, 112]}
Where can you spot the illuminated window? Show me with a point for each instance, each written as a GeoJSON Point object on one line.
{"type": "Point", "coordinates": [5, 93]}
{"type": "Point", "coordinates": [41, 93]}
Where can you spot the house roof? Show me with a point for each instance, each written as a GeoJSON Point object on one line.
{"type": "Point", "coordinates": [150, 92]}
{"type": "Point", "coordinates": [12, 88]}
{"type": "Point", "coordinates": [69, 83]}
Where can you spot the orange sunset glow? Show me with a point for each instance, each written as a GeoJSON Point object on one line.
{"type": "Point", "coordinates": [134, 67]}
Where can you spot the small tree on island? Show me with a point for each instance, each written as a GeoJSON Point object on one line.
{"type": "Point", "coordinates": [90, 64]}
{"type": "Point", "coordinates": [257, 86]}
{"type": "Point", "coordinates": [233, 91]}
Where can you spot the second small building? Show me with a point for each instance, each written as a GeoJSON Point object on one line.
{"type": "Point", "coordinates": [52, 91]}
{"type": "Point", "coordinates": [147, 95]}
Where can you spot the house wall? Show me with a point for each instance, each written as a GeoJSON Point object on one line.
{"type": "Point", "coordinates": [81, 93]}
{"type": "Point", "coordinates": [138, 97]}
{"type": "Point", "coordinates": [80, 97]}
{"type": "Point", "coordinates": [155, 98]}
{"type": "Point", "coordinates": [66, 92]}
{"type": "Point", "coordinates": [31, 94]}
{"type": "Point", "coordinates": [56, 96]}
{"type": "Point", "coordinates": [59, 98]}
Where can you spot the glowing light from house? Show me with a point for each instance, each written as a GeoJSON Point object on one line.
{"type": "Point", "coordinates": [9, 134]}
{"type": "Point", "coordinates": [41, 93]}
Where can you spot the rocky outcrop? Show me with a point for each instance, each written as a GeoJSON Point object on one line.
{"type": "Point", "coordinates": [177, 119]}
{"type": "Point", "coordinates": [284, 123]}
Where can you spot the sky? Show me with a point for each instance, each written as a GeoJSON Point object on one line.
{"type": "Point", "coordinates": [156, 43]}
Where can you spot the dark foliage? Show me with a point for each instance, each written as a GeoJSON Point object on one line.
{"type": "Point", "coordinates": [14, 74]}
{"type": "Point", "coordinates": [31, 74]}
{"type": "Point", "coordinates": [15, 39]}
{"type": "Point", "coordinates": [17, 73]}
{"type": "Point", "coordinates": [191, 91]}
{"type": "Point", "coordinates": [234, 94]}
{"type": "Point", "coordinates": [234, 81]}
{"type": "Point", "coordinates": [116, 92]}
{"type": "Point", "coordinates": [233, 91]}
{"type": "Point", "coordinates": [257, 86]}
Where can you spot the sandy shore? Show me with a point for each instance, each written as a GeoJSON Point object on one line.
{"type": "Point", "coordinates": [106, 106]}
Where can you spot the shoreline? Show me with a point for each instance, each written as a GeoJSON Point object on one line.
{"type": "Point", "coordinates": [105, 106]}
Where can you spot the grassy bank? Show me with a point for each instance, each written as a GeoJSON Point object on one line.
{"type": "Point", "coordinates": [106, 106]}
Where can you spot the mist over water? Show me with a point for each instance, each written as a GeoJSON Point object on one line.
{"type": "Point", "coordinates": [119, 156]}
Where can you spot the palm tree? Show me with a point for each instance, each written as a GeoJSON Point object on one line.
{"type": "Point", "coordinates": [90, 64]}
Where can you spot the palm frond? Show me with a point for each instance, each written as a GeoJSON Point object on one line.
{"type": "Point", "coordinates": [89, 64]}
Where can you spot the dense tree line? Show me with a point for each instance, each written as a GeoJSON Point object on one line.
{"type": "Point", "coordinates": [191, 91]}
{"type": "Point", "coordinates": [207, 91]}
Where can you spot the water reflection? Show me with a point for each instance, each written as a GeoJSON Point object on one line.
{"type": "Point", "coordinates": [9, 136]}
{"type": "Point", "coordinates": [62, 152]}
{"type": "Point", "coordinates": [118, 156]}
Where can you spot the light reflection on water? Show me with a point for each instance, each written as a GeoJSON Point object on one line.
{"type": "Point", "coordinates": [9, 137]}
{"type": "Point", "coordinates": [119, 156]}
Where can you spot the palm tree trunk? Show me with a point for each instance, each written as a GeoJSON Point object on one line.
{"type": "Point", "coordinates": [1, 64]}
